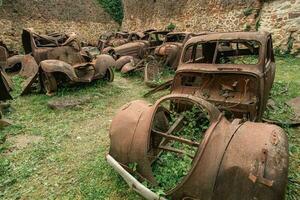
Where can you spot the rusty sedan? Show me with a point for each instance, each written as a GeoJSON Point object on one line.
{"type": "Point", "coordinates": [234, 71]}
{"type": "Point", "coordinates": [58, 58]}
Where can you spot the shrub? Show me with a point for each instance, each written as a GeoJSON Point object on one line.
{"type": "Point", "coordinates": [248, 11]}
{"type": "Point", "coordinates": [114, 8]}
{"type": "Point", "coordinates": [171, 27]}
{"type": "Point", "coordinates": [247, 27]}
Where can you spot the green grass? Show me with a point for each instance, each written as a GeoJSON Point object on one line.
{"type": "Point", "coordinates": [69, 163]}
{"type": "Point", "coordinates": [286, 87]}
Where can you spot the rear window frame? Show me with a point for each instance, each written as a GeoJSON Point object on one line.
{"type": "Point", "coordinates": [260, 52]}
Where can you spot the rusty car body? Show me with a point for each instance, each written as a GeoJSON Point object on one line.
{"type": "Point", "coordinates": [170, 50]}
{"type": "Point", "coordinates": [117, 39]}
{"type": "Point", "coordinates": [234, 71]}
{"type": "Point", "coordinates": [58, 58]}
{"type": "Point", "coordinates": [139, 48]}
{"type": "Point", "coordinates": [232, 159]}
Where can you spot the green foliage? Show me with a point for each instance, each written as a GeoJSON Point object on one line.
{"type": "Point", "coordinates": [286, 87]}
{"type": "Point", "coordinates": [257, 25]}
{"type": "Point", "coordinates": [132, 166]}
{"type": "Point", "coordinates": [290, 44]}
{"type": "Point", "coordinates": [281, 111]}
{"type": "Point", "coordinates": [163, 75]}
{"type": "Point", "coordinates": [247, 27]}
{"type": "Point", "coordinates": [171, 27]}
{"type": "Point", "coordinates": [114, 8]}
{"type": "Point", "coordinates": [170, 168]}
{"type": "Point", "coordinates": [248, 11]}
{"type": "Point", "coordinates": [195, 122]}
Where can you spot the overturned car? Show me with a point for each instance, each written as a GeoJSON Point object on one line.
{"type": "Point", "coordinates": [186, 147]}
{"type": "Point", "coordinates": [58, 58]}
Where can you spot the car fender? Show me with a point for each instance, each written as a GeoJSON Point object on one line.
{"type": "Point", "coordinates": [103, 62]}
{"type": "Point", "coordinates": [14, 60]}
{"type": "Point", "coordinates": [51, 66]}
{"type": "Point", "coordinates": [29, 66]}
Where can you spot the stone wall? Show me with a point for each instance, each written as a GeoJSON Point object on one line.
{"type": "Point", "coordinates": [280, 17]}
{"type": "Point", "coordinates": [85, 17]}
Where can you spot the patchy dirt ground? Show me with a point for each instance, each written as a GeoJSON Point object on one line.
{"type": "Point", "coordinates": [68, 161]}
{"type": "Point", "coordinates": [20, 142]}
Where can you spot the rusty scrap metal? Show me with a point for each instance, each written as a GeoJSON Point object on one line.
{"type": "Point", "coordinates": [235, 159]}
{"type": "Point", "coordinates": [117, 39]}
{"type": "Point", "coordinates": [60, 59]}
{"type": "Point", "coordinates": [171, 49]}
{"type": "Point", "coordinates": [240, 89]}
{"type": "Point", "coordinates": [123, 60]}
{"type": "Point", "coordinates": [140, 48]}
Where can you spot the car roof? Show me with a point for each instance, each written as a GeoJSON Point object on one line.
{"type": "Point", "coordinates": [257, 36]}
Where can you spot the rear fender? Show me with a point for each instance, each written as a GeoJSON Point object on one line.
{"type": "Point", "coordinates": [103, 62]}
{"type": "Point", "coordinates": [29, 66]}
{"type": "Point", "coordinates": [52, 66]}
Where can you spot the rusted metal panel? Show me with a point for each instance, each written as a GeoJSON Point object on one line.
{"type": "Point", "coordinates": [234, 160]}
{"type": "Point", "coordinates": [170, 50]}
{"type": "Point", "coordinates": [145, 45]}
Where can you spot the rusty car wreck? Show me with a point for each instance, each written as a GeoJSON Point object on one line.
{"type": "Point", "coordinates": [58, 58]}
{"type": "Point", "coordinates": [117, 39]}
{"type": "Point", "coordinates": [139, 48]}
{"type": "Point", "coordinates": [221, 86]}
{"type": "Point", "coordinates": [234, 71]}
{"type": "Point", "coordinates": [248, 157]}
